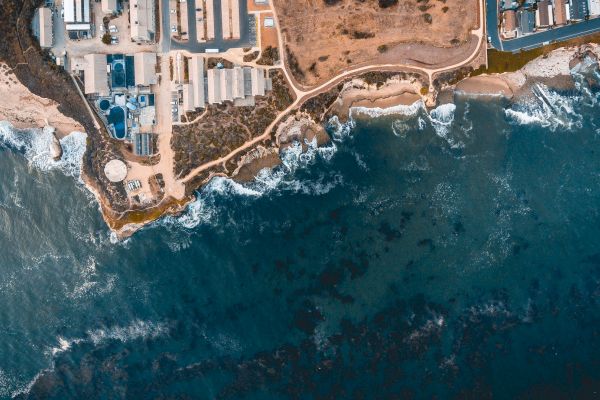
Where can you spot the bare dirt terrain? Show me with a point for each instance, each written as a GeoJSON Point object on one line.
{"type": "Point", "coordinates": [324, 37]}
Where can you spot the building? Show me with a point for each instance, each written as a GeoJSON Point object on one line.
{"type": "Point", "coordinates": [196, 79]}
{"type": "Point", "coordinates": [560, 12]}
{"type": "Point", "coordinates": [95, 75]}
{"type": "Point", "coordinates": [45, 27]}
{"type": "Point", "coordinates": [543, 14]}
{"type": "Point", "coordinates": [214, 86]}
{"type": "Point", "coordinates": [236, 84]}
{"type": "Point", "coordinates": [509, 24]}
{"type": "Point", "coordinates": [526, 21]}
{"type": "Point", "coordinates": [142, 21]}
{"type": "Point", "coordinates": [230, 14]}
{"type": "Point", "coordinates": [142, 144]}
{"type": "Point", "coordinates": [145, 69]}
{"type": "Point", "coordinates": [594, 7]}
{"type": "Point", "coordinates": [109, 6]}
{"type": "Point", "coordinates": [578, 9]}
{"type": "Point", "coordinates": [77, 18]}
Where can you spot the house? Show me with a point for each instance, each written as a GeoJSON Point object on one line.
{"type": "Point", "coordinates": [142, 21]}
{"type": "Point", "coordinates": [45, 27]}
{"type": "Point", "coordinates": [560, 12]}
{"type": "Point", "coordinates": [594, 7]}
{"type": "Point", "coordinates": [145, 69]}
{"type": "Point", "coordinates": [578, 9]}
{"type": "Point", "coordinates": [509, 24]}
{"type": "Point", "coordinates": [109, 6]}
{"type": "Point", "coordinates": [543, 14]}
{"type": "Point", "coordinates": [95, 75]}
{"type": "Point", "coordinates": [526, 21]}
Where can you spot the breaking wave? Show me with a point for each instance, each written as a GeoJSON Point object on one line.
{"type": "Point", "coordinates": [35, 144]}
{"type": "Point", "coordinates": [407, 110]}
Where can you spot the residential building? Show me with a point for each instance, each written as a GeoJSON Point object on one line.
{"type": "Point", "coordinates": [543, 14]}
{"type": "Point", "coordinates": [578, 9]}
{"type": "Point", "coordinates": [594, 7]}
{"type": "Point", "coordinates": [560, 12]}
{"type": "Point", "coordinates": [95, 75]}
{"type": "Point", "coordinates": [509, 24]}
{"type": "Point", "coordinates": [145, 69]}
{"type": "Point", "coordinates": [142, 20]}
{"type": "Point", "coordinates": [526, 21]}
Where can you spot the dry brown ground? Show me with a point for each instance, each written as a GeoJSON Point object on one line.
{"type": "Point", "coordinates": [268, 35]}
{"type": "Point", "coordinates": [323, 40]}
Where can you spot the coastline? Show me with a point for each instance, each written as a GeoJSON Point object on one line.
{"type": "Point", "coordinates": [357, 98]}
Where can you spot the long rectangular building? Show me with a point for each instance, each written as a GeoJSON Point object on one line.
{"type": "Point", "coordinates": [236, 83]}
{"type": "Point", "coordinates": [76, 11]}
{"type": "Point", "coordinates": [46, 35]}
{"type": "Point", "coordinates": [230, 18]}
{"type": "Point", "coordinates": [145, 69]}
{"type": "Point", "coordinates": [197, 80]}
{"type": "Point", "coordinates": [210, 19]}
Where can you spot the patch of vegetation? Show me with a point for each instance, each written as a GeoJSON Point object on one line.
{"type": "Point", "coordinates": [387, 3]}
{"type": "Point", "coordinates": [294, 65]}
{"type": "Point", "coordinates": [106, 38]}
{"type": "Point", "coordinates": [251, 57]}
{"type": "Point", "coordinates": [362, 35]}
{"type": "Point", "coordinates": [382, 48]}
{"type": "Point", "coordinates": [427, 18]}
{"type": "Point", "coordinates": [269, 56]}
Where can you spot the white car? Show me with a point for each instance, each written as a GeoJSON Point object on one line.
{"type": "Point", "coordinates": [113, 29]}
{"type": "Point", "coordinates": [173, 29]}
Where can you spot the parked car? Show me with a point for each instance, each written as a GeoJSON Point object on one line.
{"type": "Point", "coordinates": [114, 40]}
{"type": "Point", "coordinates": [173, 28]}
{"type": "Point", "coordinates": [113, 29]}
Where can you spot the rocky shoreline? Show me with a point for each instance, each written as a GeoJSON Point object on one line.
{"type": "Point", "coordinates": [47, 96]}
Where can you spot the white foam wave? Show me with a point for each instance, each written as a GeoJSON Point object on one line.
{"type": "Point", "coordinates": [546, 108]}
{"type": "Point", "coordinates": [441, 119]}
{"type": "Point", "coordinates": [338, 130]}
{"type": "Point", "coordinates": [36, 146]}
{"type": "Point", "coordinates": [374, 112]}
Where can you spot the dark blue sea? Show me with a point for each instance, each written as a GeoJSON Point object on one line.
{"type": "Point", "coordinates": [444, 254]}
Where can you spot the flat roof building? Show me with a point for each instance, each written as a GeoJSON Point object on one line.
{"type": "Point", "coordinates": [96, 75]}
{"type": "Point", "coordinates": [509, 24]}
{"type": "Point", "coordinates": [45, 28]}
{"type": "Point", "coordinates": [594, 7]}
{"type": "Point", "coordinates": [197, 80]}
{"type": "Point", "coordinates": [543, 14]}
{"type": "Point", "coordinates": [236, 83]}
{"type": "Point", "coordinates": [526, 20]}
{"type": "Point", "coordinates": [578, 9]}
{"type": "Point", "coordinates": [76, 11]}
{"type": "Point", "coordinates": [188, 97]}
{"type": "Point", "coordinates": [258, 82]}
{"type": "Point", "coordinates": [143, 24]}
{"type": "Point", "coordinates": [560, 12]}
{"type": "Point", "coordinates": [145, 69]}
{"type": "Point", "coordinates": [214, 86]}
{"type": "Point", "coordinates": [109, 6]}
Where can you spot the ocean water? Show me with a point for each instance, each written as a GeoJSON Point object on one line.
{"type": "Point", "coordinates": [451, 253]}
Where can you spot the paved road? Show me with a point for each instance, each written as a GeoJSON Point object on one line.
{"type": "Point", "coordinates": [536, 39]}
{"type": "Point", "coordinates": [193, 46]}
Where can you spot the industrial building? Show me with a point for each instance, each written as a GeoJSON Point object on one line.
{"type": "Point", "coordinates": [44, 28]}
{"type": "Point", "coordinates": [95, 75]}
{"type": "Point", "coordinates": [142, 144]}
{"type": "Point", "coordinates": [109, 6]}
{"type": "Point", "coordinates": [145, 69]}
{"type": "Point", "coordinates": [77, 18]}
{"type": "Point", "coordinates": [236, 84]}
{"type": "Point", "coordinates": [594, 7]}
{"type": "Point", "coordinates": [194, 92]}
{"type": "Point", "coordinates": [142, 20]}
{"type": "Point", "coordinates": [509, 24]}
{"type": "Point", "coordinates": [230, 14]}
{"type": "Point", "coordinates": [544, 14]}
{"type": "Point", "coordinates": [578, 10]}
{"type": "Point", "coordinates": [560, 12]}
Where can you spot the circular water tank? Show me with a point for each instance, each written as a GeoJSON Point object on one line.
{"type": "Point", "coordinates": [104, 105]}
{"type": "Point", "coordinates": [115, 170]}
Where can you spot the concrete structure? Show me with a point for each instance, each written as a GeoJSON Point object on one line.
{"type": "Point", "coordinates": [142, 19]}
{"type": "Point", "coordinates": [109, 6]}
{"type": "Point", "coordinates": [560, 12]}
{"type": "Point", "coordinates": [142, 144]}
{"type": "Point", "coordinates": [594, 7]}
{"type": "Point", "coordinates": [76, 11]}
{"type": "Point", "coordinates": [45, 27]}
{"type": "Point", "coordinates": [115, 171]}
{"type": "Point", "coordinates": [145, 69]}
{"type": "Point", "coordinates": [95, 75]}
{"type": "Point", "coordinates": [230, 15]}
{"type": "Point", "coordinates": [543, 14]}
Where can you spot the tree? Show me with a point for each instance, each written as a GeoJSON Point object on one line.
{"type": "Point", "coordinates": [106, 38]}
